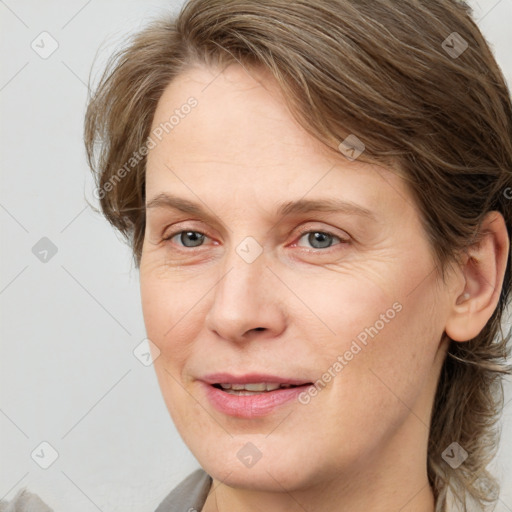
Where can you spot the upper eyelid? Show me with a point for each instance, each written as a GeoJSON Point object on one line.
{"type": "Point", "coordinates": [304, 228]}
{"type": "Point", "coordinates": [173, 232]}
{"type": "Point", "coordinates": [309, 229]}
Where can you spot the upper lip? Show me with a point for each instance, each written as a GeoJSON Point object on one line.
{"type": "Point", "coordinates": [250, 378]}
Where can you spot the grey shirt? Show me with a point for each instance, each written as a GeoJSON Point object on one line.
{"type": "Point", "coordinates": [188, 496]}
{"type": "Point", "coordinates": [24, 501]}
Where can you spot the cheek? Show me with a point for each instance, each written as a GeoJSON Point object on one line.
{"type": "Point", "coordinates": [170, 328]}
{"type": "Point", "coordinates": [376, 335]}
{"type": "Point", "coordinates": [170, 307]}
{"type": "Point", "coordinates": [344, 307]}
{"type": "Point", "coordinates": [168, 311]}
{"type": "Point", "coordinates": [387, 368]}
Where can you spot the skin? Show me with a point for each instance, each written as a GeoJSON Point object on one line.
{"type": "Point", "coordinates": [361, 443]}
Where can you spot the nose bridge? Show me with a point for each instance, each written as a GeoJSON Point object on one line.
{"type": "Point", "coordinates": [244, 280]}
{"type": "Point", "coordinates": [243, 297]}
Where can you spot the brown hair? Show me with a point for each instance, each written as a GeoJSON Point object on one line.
{"type": "Point", "coordinates": [399, 76]}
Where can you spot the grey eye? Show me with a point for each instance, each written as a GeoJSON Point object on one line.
{"type": "Point", "coordinates": [319, 239]}
{"type": "Point", "coordinates": [191, 238]}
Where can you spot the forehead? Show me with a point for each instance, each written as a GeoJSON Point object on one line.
{"type": "Point", "coordinates": [235, 109]}
{"type": "Point", "coordinates": [240, 139]}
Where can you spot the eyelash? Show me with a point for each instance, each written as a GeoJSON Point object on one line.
{"type": "Point", "coordinates": [302, 232]}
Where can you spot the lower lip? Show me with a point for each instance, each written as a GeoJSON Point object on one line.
{"type": "Point", "coordinates": [251, 406]}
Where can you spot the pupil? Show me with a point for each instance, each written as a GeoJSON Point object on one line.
{"type": "Point", "coordinates": [193, 236]}
{"type": "Point", "coordinates": [320, 240]}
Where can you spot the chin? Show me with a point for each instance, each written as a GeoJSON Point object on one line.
{"type": "Point", "coordinates": [277, 468]}
{"type": "Point", "coordinates": [262, 479]}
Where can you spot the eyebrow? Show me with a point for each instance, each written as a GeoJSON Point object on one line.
{"type": "Point", "coordinates": [300, 206]}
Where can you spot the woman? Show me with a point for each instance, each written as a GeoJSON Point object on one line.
{"type": "Point", "coordinates": [317, 195]}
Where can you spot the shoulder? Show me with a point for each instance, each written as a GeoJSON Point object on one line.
{"type": "Point", "coordinates": [189, 495]}
{"type": "Point", "coordinates": [24, 501]}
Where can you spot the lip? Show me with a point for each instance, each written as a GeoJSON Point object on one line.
{"type": "Point", "coordinates": [250, 406]}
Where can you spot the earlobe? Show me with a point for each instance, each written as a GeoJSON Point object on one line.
{"type": "Point", "coordinates": [483, 269]}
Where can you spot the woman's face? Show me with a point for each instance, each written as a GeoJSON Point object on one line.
{"type": "Point", "coordinates": [284, 265]}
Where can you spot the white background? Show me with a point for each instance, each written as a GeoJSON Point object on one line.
{"type": "Point", "coordinates": [68, 375]}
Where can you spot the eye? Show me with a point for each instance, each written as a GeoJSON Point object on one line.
{"type": "Point", "coordinates": [187, 238]}
{"type": "Point", "coordinates": [315, 239]}
{"type": "Point", "coordinates": [319, 239]}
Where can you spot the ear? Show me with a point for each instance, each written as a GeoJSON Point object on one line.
{"type": "Point", "coordinates": [483, 270]}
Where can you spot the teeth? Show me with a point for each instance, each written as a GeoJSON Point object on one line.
{"type": "Point", "coordinates": [260, 386]}
{"type": "Point", "coordinates": [255, 387]}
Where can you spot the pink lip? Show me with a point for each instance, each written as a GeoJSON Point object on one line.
{"type": "Point", "coordinates": [250, 406]}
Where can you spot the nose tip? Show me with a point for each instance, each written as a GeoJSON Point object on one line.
{"type": "Point", "coordinates": [245, 302]}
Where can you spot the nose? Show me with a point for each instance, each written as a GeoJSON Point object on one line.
{"type": "Point", "coordinates": [247, 301]}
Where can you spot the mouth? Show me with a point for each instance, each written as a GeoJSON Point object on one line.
{"type": "Point", "coordinates": [251, 396]}
{"type": "Point", "coordinates": [256, 388]}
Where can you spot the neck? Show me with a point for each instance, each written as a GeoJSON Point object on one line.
{"type": "Point", "coordinates": [409, 499]}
